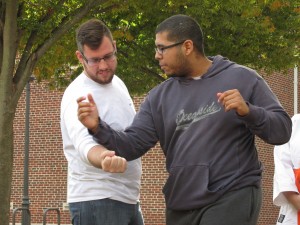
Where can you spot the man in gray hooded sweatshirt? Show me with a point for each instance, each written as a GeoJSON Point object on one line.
{"type": "Point", "coordinates": [206, 117]}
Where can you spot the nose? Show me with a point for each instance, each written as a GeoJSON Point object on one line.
{"type": "Point", "coordinates": [157, 56]}
{"type": "Point", "coordinates": [102, 64]}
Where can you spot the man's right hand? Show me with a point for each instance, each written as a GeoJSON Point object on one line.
{"type": "Point", "coordinates": [87, 113]}
{"type": "Point", "coordinates": [106, 160]}
{"type": "Point", "coordinates": [112, 163]}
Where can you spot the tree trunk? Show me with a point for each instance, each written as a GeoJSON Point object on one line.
{"type": "Point", "coordinates": [6, 159]}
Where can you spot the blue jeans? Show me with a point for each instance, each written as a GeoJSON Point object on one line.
{"type": "Point", "coordinates": [105, 212]}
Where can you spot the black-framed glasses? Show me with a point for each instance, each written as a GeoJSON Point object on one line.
{"type": "Point", "coordinates": [95, 61]}
{"type": "Point", "coordinates": [160, 49]}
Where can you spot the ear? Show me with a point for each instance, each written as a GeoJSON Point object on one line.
{"type": "Point", "coordinates": [79, 56]}
{"type": "Point", "coordinates": [188, 46]}
{"type": "Point", "coordinates": [115, 45]}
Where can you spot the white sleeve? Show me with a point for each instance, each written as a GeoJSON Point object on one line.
{"type": "Point", "coordinates": [78, 134]}
{"type": "Point", "coordinates": [284, 178]}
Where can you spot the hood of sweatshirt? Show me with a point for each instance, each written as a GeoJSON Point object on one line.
{"type": "Point", "coordinates": [219, 63]}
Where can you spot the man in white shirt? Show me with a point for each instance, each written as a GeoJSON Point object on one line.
{"type": "Point", "coordinates": [97, 192]}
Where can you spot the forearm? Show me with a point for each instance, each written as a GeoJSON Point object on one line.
{"type": "Point", "coordinates": [293, 198]}
{"type": "Point", "coordinates": [134, 141]}
{"type": "Point", "coordinates": [95, 127]}
{"type": "Point", "coordinates": [106, 160]}
{"type": "Point", "coordinates": [274, 126]}
{"type": "Point", "coordinates": [267, 118]}
{"type": "Point", "coordinates": [127, 144]}
{"type": "Point", "coordinates": [94, 156]}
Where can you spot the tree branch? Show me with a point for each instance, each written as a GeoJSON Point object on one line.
{"type": "Point", "coordinates": [29, 60]}
{"type": "Point", "coordinates": [66, 24]}
{"type": "Point", "coordinates": [30, 43]}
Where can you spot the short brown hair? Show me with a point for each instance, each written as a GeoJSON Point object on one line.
{"type": "Point", "coordinates": [91, 34]}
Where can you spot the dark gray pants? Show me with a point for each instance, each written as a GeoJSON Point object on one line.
{"type": "Point", "coordinates": [240, 207]}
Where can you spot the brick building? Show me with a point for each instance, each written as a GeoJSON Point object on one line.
{"type": "Point", "coordinates": [48, 167]}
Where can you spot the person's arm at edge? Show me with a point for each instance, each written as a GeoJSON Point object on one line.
{"type": "Point", "coordinates": [293, 198]}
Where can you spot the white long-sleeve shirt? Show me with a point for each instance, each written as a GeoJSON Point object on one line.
{"type": "Point", "coordinates": [85, 182]}
{"type": "Point", "coordinates": [287, 159]}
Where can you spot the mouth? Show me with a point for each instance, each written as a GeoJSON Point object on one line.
{"type": "Point", "coordinates": [103, 72]}
{"type": "Point", "coordinates": [162, 66]}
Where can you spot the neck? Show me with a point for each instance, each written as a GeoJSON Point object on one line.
{"type": "Point", "coordinates": [201, 66]}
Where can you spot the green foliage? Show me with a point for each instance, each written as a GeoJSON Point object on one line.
{"type": "Point", "coordinates": [262, 34]}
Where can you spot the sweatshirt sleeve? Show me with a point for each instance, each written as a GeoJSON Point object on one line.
{"type": "Point", "coordinates": [135, 140]}
{"type": "Point", "coordinates": [267, 119]}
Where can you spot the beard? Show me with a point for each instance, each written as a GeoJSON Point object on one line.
{"type": "Point", "coordinates": [182, 68]}
{"type": "Point", "coordinates": [100, 76]}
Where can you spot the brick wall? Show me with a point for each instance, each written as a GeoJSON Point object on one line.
{"type": "Point", "coordinates": [48, 167]}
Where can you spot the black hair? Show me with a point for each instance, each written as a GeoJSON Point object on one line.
{"type": "Point", "coordinates": [181, 28]}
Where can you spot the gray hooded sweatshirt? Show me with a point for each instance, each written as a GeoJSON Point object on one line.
{"type": "Point", "coordinates": [209, 152]}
